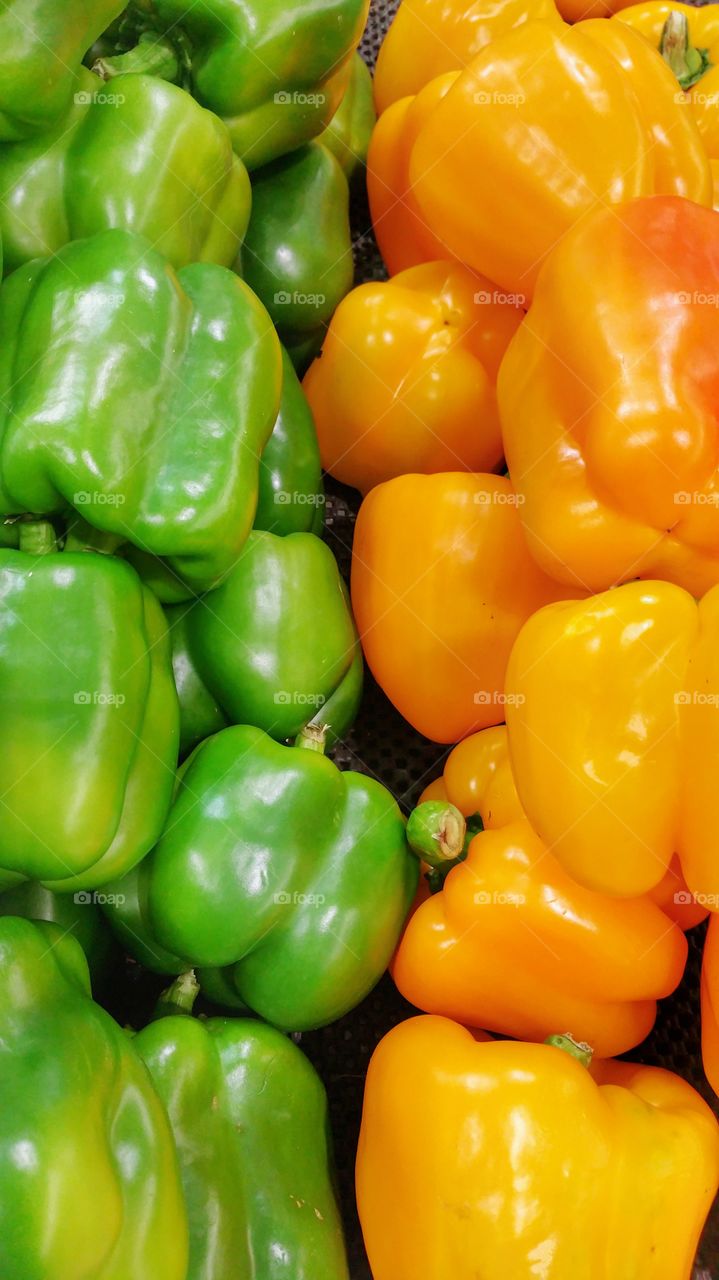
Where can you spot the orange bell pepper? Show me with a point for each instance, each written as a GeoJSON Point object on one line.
{"type": "Point", "coordinates": [441, 584]}
{"type": "Point", "coordinates": [429, 37]}
{"type": "Point", "coordinates": [401, 230]}
{"type": "Point", "coordinates": [613, 721]}
{"type": "Point", "coordinates": [544, 125]}
{"type": "Point", "coordinates": [508, 1161]}
{"type": "Point", "coordinates": [609, 394]}
{"type": "Point", "coordinates": [688, 39]}
{"type": "Point", "coordinates": [406, 378]}
{"type": "Point", "coordinates": [510, 942]}
{"type": "Point", "coordinates": [710, 1004]}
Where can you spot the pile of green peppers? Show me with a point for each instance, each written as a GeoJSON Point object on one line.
{"type": "Point", "coordinates": [178, 656]}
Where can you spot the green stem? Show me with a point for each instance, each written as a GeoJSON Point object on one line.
{"type": "Point", "coordinates": [82, 536]}
{"type": "Point", "coordinates": [152, 56]}
{"type": "Point", "coordinates": [178, 998]}
{"type": "Point", "coordinates": [313, 738]}
{"type": "Point", "coordinates": [37, 537]}
{"type": "Point", "coordinates": [435, 832]}
{"type": "Point", "coordinates": [687, 63]}
{"type": "Point", "coordinates": [575, 1048]}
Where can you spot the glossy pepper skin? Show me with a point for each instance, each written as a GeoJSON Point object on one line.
{"type": "Point", "coordinates": [140, 397]}
{"type": "Point", "coordinates": [608, 395]}
{"type": "Point", "coordinates": [513, 944]}
{"type": "Point", "coordinates": [88, 702]}
{"type": "Point", "coordinates": [273, 646]}
{"type": "Point", "coordinates": [429, 37]}
{"type": "Point", "coordinates": [501, 171]}
{"type": "Point", "coordinates": [690, 44]}
{"type": "Point", "coordinates": [290, 496]}
{"type": "Point", "coordinates": [42, 46]}
{"type": "Point", "coordinates": [139, 154]}
{"type": "Point", "coordinates": [441, 584]}
{"type": "Point", "coordinates": [78, 915]}
{"type": "Point", "coordinates": [297, 255]}
{"type": "Point", "coordinates": [249, 1118]}
{"type": "Point", "coordinates": [274, 71]}
{"type": "Point", "coordinates": [623, 778]}
{"type": "Point", "coordinates": [406, 378]}
{"type": "Point", "coordinates": [79, 1116]}
{"type": "Point", "coordinates": [348, 133]}
{"type": "Point", "coordinates": [295, 874]}
{"type": "Point", "coordinates": [401, 228]}
{"type": "Point", "coordinates": [526, 1164]}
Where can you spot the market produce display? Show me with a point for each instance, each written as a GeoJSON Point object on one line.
{"type": "Point", "coordinates": [359, 640]}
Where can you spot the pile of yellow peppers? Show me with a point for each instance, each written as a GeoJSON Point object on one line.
{"type": "Point", "coordinates": [529, 405]}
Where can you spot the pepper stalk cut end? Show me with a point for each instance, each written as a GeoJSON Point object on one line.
{"type": "Point", "coordinates": [687, 63]}
{"type": "Point", "coordinates": [435, 832]}
{"type": "Point", "coordinates": [179, 998]}
{"type": "Point", "coordinates": [578, 1049]}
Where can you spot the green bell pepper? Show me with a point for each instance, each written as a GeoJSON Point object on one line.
{"type": "Point", "coordinates": [140, 397]}
{"type": "Point", "coordinates": [140, 155]}
{"type": "Point", "coordinates": [89, 1174]}
{"type": "Point", "coordinates": [249, 1115]}
{"type": "Point", "coordinates": [274, 70]}
{"type": "Point", "coordinates": [291, 495]}
{"type": "Point", "coordinates": [297, 253]}
{"type": "Point", "coordinates": [274, 862]}
{"type": "Point", "coordinates": [42, 44]}
{"type": "Point", "coordinates": [350, 129]}
{"type": "Point", "coordinates": [89, 711]}
{"type": "Point", "coordinates": [272, 646]}
{"type": "Point", "coordinates": [77, 914]}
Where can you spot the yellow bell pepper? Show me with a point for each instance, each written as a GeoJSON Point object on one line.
{"type": "Point", "coordinates": [545, 124]}
{"type": "Point", "coordinates": [508, 941]}
{"type": "Point", "coordinates": [608, 396]}
{"type": "Point", "coordinates": [429, 37]}
{"type": "Point", "coordinates": [613, 722]}
{"type": "Point", "coordinates": [511, 1161]}
{"type": "Point", "coordinates": [688, 39]}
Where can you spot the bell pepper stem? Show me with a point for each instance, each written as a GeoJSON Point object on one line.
{"type": "Point", "coordinates": [152, 56]}
{"type": "Point", "coordinates": [575, 1048]}
{"type": "Point", "coordinates": [435, 832]}
{"type": "Point", "coordinates": [687, 63]}
{"type": "Point", "coordinates": [179, 998]}
{"type": "Point", "coordinates": [82, 536]}
{"type": "Point", "coordinates": [36, 537]}
{"type": "Point", "coordinates": [313, 738]}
